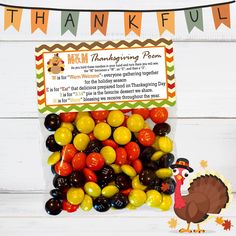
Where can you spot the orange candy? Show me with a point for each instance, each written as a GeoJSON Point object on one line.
{"type": "Point", "coordinates": [68, 116]}
{"type": "Point", "coordinates": [159, 114]}
{"type": "Point", "coordinates": [144, 112]}
{"type": "Point", "coordinates": [68, 152]}
{"type": "Point", "coordinates": [79, 161]}
{"type": "Point", "coordinates": [63, 168]}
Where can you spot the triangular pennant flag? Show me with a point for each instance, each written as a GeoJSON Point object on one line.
{"type": "Point", "coordinates": [221, 15]}
{"type": "Point", "coordinates": [194, 19]}
{"type": "Point", "coordinates": [39, 20]}
{"type": "Point", "coordinates": [12, 16]}
{"type": "Point", "coordinates": [133, 22]}
{"type": "Point", "coordinates": [166, 21]}
{"type": "Point", "coordinates": [69, 21]}
{"type": "Point", "coordinates": [99, 21]}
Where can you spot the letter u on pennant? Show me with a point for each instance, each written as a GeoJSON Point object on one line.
{"type": "Point", "coordinates": [194, 19]}
{"type": "Point", "coordinates": [12, 16]}
{"type": "Point", "coordinates": [133, 21]}
{"type": "Point", "coordinates": [221, 15]}
{"type": "Point", "coordinates": [99, 21]}
{"type": "Point", "coordinates": [39, 19]}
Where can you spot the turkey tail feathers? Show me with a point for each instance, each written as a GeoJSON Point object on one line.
{"type": "Point", "coordinates": [214, 189]}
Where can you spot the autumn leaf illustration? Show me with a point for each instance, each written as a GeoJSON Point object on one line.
{"type": "Point", "coordinates": [172, 223]}
{"type": "Point", "coordinates": [219, 220]}
{"type": "Point", "coordinates": [204, 164]}
{"type": "Point", "coordinates": [164, 187]}
{"type": "Point", "coordinates": [227, 225]}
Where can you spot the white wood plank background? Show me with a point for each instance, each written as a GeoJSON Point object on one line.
{"type": "Point", "coordinates": [205, 118]}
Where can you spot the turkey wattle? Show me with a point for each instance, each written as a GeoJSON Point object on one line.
{"type": "Point", "coordinates": [207, 195]}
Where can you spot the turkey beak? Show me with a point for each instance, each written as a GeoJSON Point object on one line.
{"type": "Point", "coordinates": [180, 178]}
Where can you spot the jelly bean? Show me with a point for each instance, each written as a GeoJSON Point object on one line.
{"type": "Point", "coordinates": [66, 206]}
{"type": "Point", "coordinates": [146, 177]}
{"type": "Point", "coordinates": [95, 161]}
{"type": "Point", "coordinates": [122, 135]}
{"type": "Point", "coordinates": [106, 174]}
{"type": "Point", "coordinates": [126, 192]}
{"type": "Point", "coordinates": [137, 197]}
{"type": "Point", "coordinates": [123, 181]}
{"type": "Point", "coordinates": [151, 165]}
{"type": "Point", "coordinates": [111, 143]}
{"type": "Point", "coordinates": [80, 114]}
{"type": "Point", "coordinates": [158, 115]}
{"type": "Point", "coordinates": [119, 201]}
{"type": "Point", "coordinates": [52, 122]}
{"type": "Point", "coordinates": [109, 154]}
{"type": "Point", "coordinates": [75, 195]}
{"type": "Point", "coordinates": [79, 161]}
{"type": "Point", "coordinates": [166, 202]}
{"type": "Point", "coordinates": [90, 175]}
{"type": "Point", "coordinates": [94, 146]}
{"type": "Point", "coordinates": [133, 151]}
{"type": "Point", "coordinates": [146, 154]}
{"type": "Point", "coordinates": [102, 131]}
{"type": "Point", "coordinates": [131, 207]}
{"type": "Point", "coordinates": [136, 184]}
{"type": "Point", "coordinates": [121, 156]}
{"type": "Point", "coordinates": [54, 158]}
{"type": "Point", "coordinates": [92, 189]}
{"type": "Point", "coordinates": [63, 136]}
{"type": "Point", "coordinates": [157, 155]}
{"type": "Point", "coordinates": [81, 141]}
{"type": "Point", "coordinates": [166, 160]}
{"type": "Point", "coordinates": [115, 118]}
{"type": "Point", "coordinates": [87, 203]}
{"type": "Point", "coordinates": [164, 173]}
{"type": "Point", "coordinates": [146, 137]}
{"type": "Point", "coordinates": [76, 179]}
{"type": "Point", "coordinates": [67, 125]}
{"type": "Point", "coordinates": [128, 170]}
{"type": "Point", "coordinates": [57, 193]}
{"type": "Point", "coordinates": [68, 116]}
{"type": "Point", "coordinates": [101, 204]}
{"type": "Point", "coordinates": [85, 124]}
{"type": "Point", "coordinates": [135, 123]}
{"type": "Point", "coordinates": [144, 112]}
{"type": "Point", "coordinates": [100, 115]}
{"type": "Point", "coordinates": [60, 182]}
{"type": "Point", "coordinates": [68, 152]}
{"type": "Point", "coordinates": [63, 168]}
{"type": "Point", "coordinates": [116, 168]}
{"type": "Point", "coordinates": [52, 145]}
{"type": "Point", "coordinates": [161, 129]}
{"type": "Point", "coordinates": [138, 166]}
{"type": "Point", "coordinates": [168, 186]}
{"type": "Point", "coordinates": [165, 144]}
{"type": "Point", "coordinates": [154, 198]}
{"type": "Point", "coordinates": [109, 191]}
{"type": "Point", "coordinates": [53, 206]}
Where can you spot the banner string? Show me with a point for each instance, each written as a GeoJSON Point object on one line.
{"type": "Point", "coordinates": [117, 10]}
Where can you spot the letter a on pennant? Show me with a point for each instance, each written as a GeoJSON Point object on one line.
{"type": "Point", "coordinates": [69, 21]}
{"type": "Point", "coordinates": [133, 21]}
{"type": "Point", "coordinates": [99, 21]}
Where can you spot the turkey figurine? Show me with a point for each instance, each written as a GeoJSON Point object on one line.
{"type": "Point", "coordinates": [207, 195]}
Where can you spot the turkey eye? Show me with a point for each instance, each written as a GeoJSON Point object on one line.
{"type": "Point", "coordinates": [185, 173]}
{"type": "Point", "coordinates": [175, 171]}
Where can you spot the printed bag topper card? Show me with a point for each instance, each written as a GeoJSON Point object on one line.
{"type": "Point", "coordinates": [105, 75]}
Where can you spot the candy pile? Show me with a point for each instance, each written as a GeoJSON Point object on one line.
{"type": "Point", "coordinates": [104, 159]}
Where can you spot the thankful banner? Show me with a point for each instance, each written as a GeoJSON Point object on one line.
{"type": "Point", "coordinates": [99, 19]}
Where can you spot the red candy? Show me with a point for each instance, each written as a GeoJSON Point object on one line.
{"type": "Point", "coordinates": [66, 206]}
{"type": "Point", "coordinates": [159, 115]}
{"type": "Point", "coordinates": [63, 168]}
{"type": "Point", "coordinates": [110, 142]}
{"type": "Point", "coordinates": [100, 115]}
{"type": "Point", "coordinates": [95, 161]}
{"type": "Point", "coordinates": [137, 165]}
{"type": "Point", "coordinates": [126, 110]}
{"type": "Point", "coordinates": [91, 136]}
{"type": "Point", "coordinates": [146, 137]}
{"type": "Point", "coordinates": [133, 151]}
{"type": "Point", "coordinates": [90, 175]}
{"type": "Point", "coordinates": [68, 152]}
{"type": "Point", "coordinates": [79, 161]}
{"type": "Point", "coordinates": [68, 117]}
{"type": "Point", "coordinates": [121, 156]}
{"type": "Point", "coordinates": [127, 191]}
{"type": "Point", "coordinates": [144, 112]}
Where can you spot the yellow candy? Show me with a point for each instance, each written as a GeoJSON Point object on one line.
{"type": "Point", "coordinates": [166, 202]}
{"type": "Point", "coordinates": [75, 195]}
{"type": "Point", "coordinates": [135, 123]}
{"type": "Point", "coordinates": [80, 114]}
{"type": "Point", "coordinates": [115, 118]}
{"type": "Point", "coordinates": [155, 144]}
{"type": "Point", "coordinates": [116, 168]}
{"type": "Point", "coordinates": [164, 173]}
{"type": "Point", "coordinates": [128, 170]}
{"type": "Point", "coordinates": [154, 198]}
{"type": "Point", "coordinates": [85, 124]}
{"type": "Point", "coordinates": [109, 191]}
{"type": "Point", "coordinates": [131, 207]}
{"type": "Point", "coordinates": [165, 144]}
{"type": "Point", "coordinates": [136, 183]}
{"type": "Point", "coordinates": [137, 197]}
{"type": "Point", "coordinates": [87, 203]}
{"type": "Point", "coordinates": [81, 141]}
{"type": "Point", "coordinates": [122, 135]}
{"type": "Point", "coordinates": [102, 131]}
{"type": "Point", "coordinates": [67, 125]}
{"type": "Point", "coordinates": [109, 154]}
{"type": "Point", "coordinates": [63, 136]}
{"type": "Point", "coordinates": [157, 155]}
{"type": "Point", "coordinates": [92, 189]}
{"type": "Point", "coordinates": [54, 158]}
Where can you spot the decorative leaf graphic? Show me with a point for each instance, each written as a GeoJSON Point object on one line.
{"type": "Point", "coordinates": [172, 223]}
{"type": "Point", "coordinates": [227, 225]}
{"type": "Point", "coordinates": [164, 187]}
{"type": "Point", "coordinates": [219, 220]}
{"type": "Point", "coordinates": [204, 164]}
